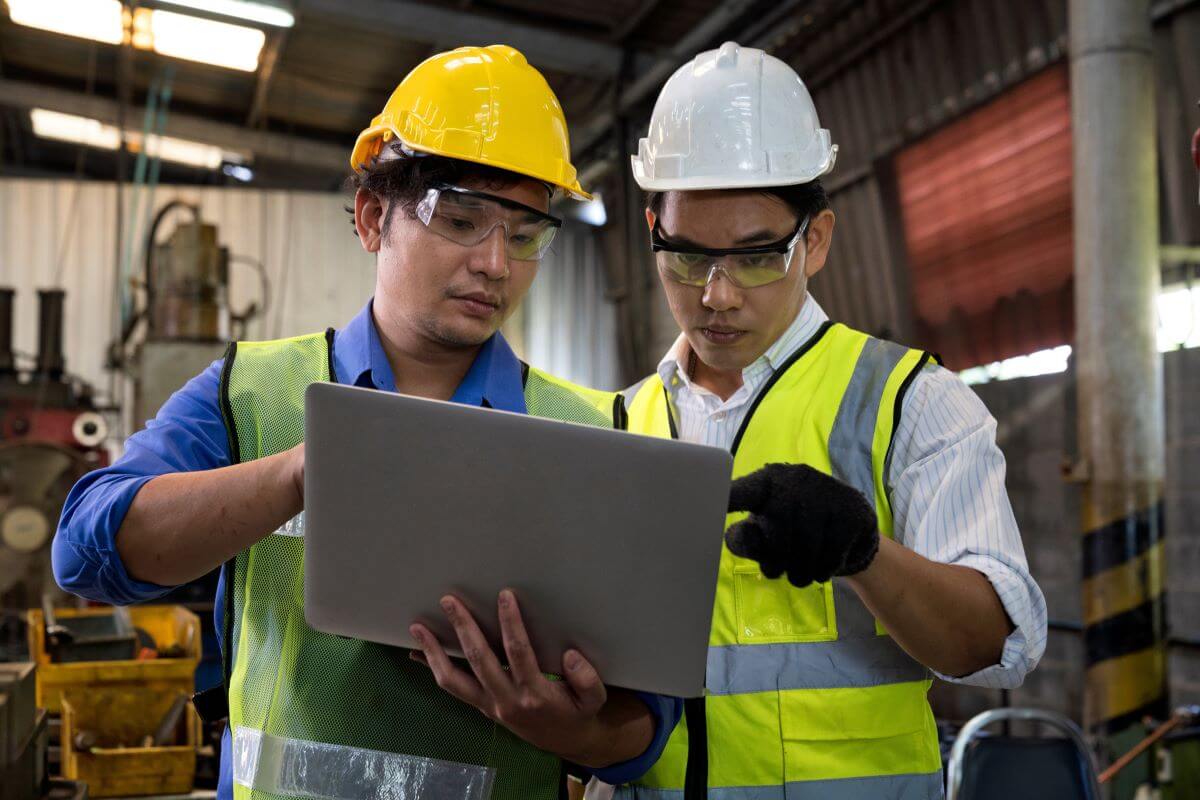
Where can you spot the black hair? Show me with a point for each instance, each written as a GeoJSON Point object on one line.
{"type": "Point", "coordinates": [804, 199]}
{"type": "Point", "coordinates": [404, 181]}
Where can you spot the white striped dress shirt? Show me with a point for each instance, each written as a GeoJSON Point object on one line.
{"type": "Point", "coordinates": [946, 480]}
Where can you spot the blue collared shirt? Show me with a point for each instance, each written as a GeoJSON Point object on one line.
{"type": "Point", "coordinates": [189, 435]}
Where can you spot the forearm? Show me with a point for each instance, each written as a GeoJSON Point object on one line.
{"type": "Point", "coordinates": [947, 617]}
{"type": "Point", "coordinates": [183, 525]}
{"type": "Point", "coordinates": [624, 731]}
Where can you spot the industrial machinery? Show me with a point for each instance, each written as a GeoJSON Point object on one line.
{"type": "Point", "coordinates": [185, 320]}
{"type": "Point", "coordinates": [51, 433]}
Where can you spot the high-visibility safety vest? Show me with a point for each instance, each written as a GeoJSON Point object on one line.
{"type": "Point", "coordinates": [315, 715]}
{"type": "Point", "coordinates": [806, 694]}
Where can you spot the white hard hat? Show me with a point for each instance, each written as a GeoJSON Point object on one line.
{"type": "Point", "coordinates": [733, 118]}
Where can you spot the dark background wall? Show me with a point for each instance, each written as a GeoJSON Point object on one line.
{"type": "Point", "coordinates": [1036, 419]}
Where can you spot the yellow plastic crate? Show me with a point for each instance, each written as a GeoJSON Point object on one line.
{"type": "Point", "coordinates": [169, 625]}
{"type": "Point", "coordinates": [117, 766]}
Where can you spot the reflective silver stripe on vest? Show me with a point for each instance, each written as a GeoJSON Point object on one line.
{"type": "Point", "coordinates": [293, 527]}
{"type": "Point", "coordinates": [840, 664]}
{"type": "Point", "coordinates": [632, 391]}
{"type": "Point", "coordinates": [298, 768]}
{"type": "Point", "coordinates": [850, 445]}
{"type": "Point", "coordinates": [853, 433]}
{"type": "Point", "coordinates": [924, 786]}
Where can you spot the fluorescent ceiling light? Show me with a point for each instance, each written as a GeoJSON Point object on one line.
{"type": "Point", "coordinates": [241, 9]}
{"type": "Point", "coordinates": [198, 39]}
{"type": "Point", "coordinates": [182, 151]}
{"type": "Point", "coordinates": [93, 133]}
{"type": "Point", "coordinates": [100, 20]}
{"type": "Point", "coordinates": [165, 32]}
{"type": "Point", "coordinates": [238, 172]}
{"type": "Point", "coordinates": [70, 128]}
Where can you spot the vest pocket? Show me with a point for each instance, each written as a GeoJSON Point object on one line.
{"type": "Point", "coordinates": [857, 732]}
{"type": "Point", "coordinates": [774, 611]}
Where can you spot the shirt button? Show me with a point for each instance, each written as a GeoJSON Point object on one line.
{"type": "Point", "coordinates": [720, 415]}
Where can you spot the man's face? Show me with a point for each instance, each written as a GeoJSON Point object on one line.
{"type": "Point", "coordinates": [729, 327]}
{"type": "Point", "coordinates": [448, 294]}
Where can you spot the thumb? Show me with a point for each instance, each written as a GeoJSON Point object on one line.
{"type": "Point", "coordinates": [581, 676]}
{"type": "Point", "coordinates": [750, 492]}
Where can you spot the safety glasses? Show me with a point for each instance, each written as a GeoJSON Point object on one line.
{"type": "Point", "coordinates": [745, 267]}
{"type": "Point", "coordinates": [467, 218]}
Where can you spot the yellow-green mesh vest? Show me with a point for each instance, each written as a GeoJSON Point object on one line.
{"type": "Point", "coordinates": [806, 697]}
{"type": "Point", "coordinates": [318, 715]}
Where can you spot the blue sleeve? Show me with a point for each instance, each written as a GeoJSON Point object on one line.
{"type": "Point", "coordinates": [187, 435]}
{"type": "Point", "coordinates": [666, 712]}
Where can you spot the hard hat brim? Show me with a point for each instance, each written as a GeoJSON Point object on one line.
{"type": "Point", "coordinates": [359, 159]}
{"type": "Point", "coordinates": [737, 181]}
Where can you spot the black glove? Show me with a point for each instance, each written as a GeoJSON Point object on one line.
{"type": "Point", "coordinates": [802, 522]}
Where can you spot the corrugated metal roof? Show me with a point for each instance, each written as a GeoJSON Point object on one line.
{"type": "Point", "coordinates": [987, 219]}
{"type": "Point", "coordinates": [882, 74]}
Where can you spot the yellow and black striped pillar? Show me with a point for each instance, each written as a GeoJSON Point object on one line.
{"type": "Point", "coordinates": [1118, 368]}
{"type": "Point", "coordinates": [1124, 608]}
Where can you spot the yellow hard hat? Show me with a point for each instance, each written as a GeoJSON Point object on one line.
{"type": "Point", "coordinates": [480, 104]}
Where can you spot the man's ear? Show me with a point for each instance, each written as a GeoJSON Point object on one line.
{"type": "Point", "coordinates": [817, 241]}
{"type": "Point", "coordinates": [369, 214]}
{"type": "Point", "coordinates": [651, 218]}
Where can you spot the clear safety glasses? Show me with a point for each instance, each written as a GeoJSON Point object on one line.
{"type": "Point", "coordinates": [467, 218]}
{"type": "Point", "coordinates": [745, 267]}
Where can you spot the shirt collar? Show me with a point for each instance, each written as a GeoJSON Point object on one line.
{"type": "Point", "coordinates": [494, 379]}
{"type": "Point", "coordinates": [806, 324]}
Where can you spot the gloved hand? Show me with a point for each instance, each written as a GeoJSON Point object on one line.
{"type": "Point", "coordinates": [802, 522]}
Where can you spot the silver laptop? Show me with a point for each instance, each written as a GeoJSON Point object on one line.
{"type": "Point", "coordinates": [610, 540]}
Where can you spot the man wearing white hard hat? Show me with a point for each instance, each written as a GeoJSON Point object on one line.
{"type": "Point", "coordinates": [871, 474]}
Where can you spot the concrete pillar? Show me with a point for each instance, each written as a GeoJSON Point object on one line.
{"type": "Point", "coordinates": [1120, 389]}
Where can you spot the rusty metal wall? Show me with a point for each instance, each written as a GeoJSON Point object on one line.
{"type": "Point", "coordinates": [891, 71]}
{"type": "Point", "coordinates": [986, 202]}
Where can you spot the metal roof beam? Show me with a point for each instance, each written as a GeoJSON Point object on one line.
{"type": "Point", "coordinates": [268, 61]}
{"type": "Point", "coordinates": [429, 24]}
{"type": "Point", "coordinates": [650, 81]}
{"type": "Point", "coordinates": [275, 146]}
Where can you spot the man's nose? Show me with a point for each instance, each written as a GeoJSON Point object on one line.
{"type": "Point", "coordinates": [719, 293]}
{"type": "Point", "coordinates": [490, 256]}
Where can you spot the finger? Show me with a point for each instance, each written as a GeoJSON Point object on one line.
{"type": "Point", "coordinates": [747, 538]}
{"type": "Point", "coordinates": [590, 692]}
{"type": "Point", "coordinates": [753, 539]}
{"type": "Point", "coordinates": [477, 650]}
{"type": "Point", "coordinates": [449, 677]}
{"type": "Point", "coordinates": [750, 492]}
{"type": "Point", "coordinates": [522, 662]}
{"type": "Point", "coordinates": [800, 576]}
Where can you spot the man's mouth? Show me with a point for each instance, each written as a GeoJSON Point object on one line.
{"type": "Point", "coordinates": [478, 304]}
{"type": "Point", "coordinates": [721, 334]}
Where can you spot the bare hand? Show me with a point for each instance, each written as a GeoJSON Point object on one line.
{"type": "Point", "coordinates": [560, 717]}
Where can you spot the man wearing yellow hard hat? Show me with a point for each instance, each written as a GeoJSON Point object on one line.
{"type": "Point", "coordinates": [453, 184]}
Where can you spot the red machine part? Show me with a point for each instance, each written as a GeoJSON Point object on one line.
{"type": "Point", "coordinates": [72, 428]}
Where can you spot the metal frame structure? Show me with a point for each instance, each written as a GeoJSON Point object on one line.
{"type": "Point", "coordinates": [975, 726]}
